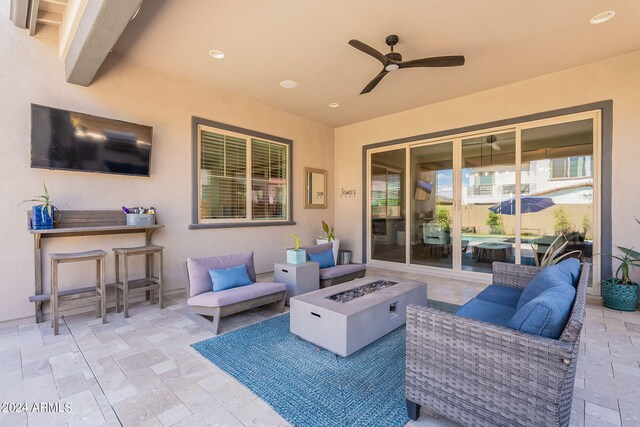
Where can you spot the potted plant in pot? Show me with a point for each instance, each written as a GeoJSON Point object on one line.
{"type": "Point", "coordinates": [330, 238]}
{"type": "Point", "coordinates": [42, 215]}
{"type": "Point", "coordinates": [297, 255]}
{"type": "Point", "coordinates": [619, 292]}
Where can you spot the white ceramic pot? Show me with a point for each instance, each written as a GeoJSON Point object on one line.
{"type": "Point", "coordinates": [336, 247]}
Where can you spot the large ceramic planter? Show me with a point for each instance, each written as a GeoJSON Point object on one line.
{"type": "Point", "coordinates": [42, 217]}
{"type": "Point", "coordinates": [618, 296]}
{"type": "Point", "coordinates": [336, 247]}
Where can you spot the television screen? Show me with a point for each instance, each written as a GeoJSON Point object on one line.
{"type": "Point", "coordinates": [62, 139]}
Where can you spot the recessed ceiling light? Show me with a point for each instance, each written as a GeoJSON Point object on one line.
{"type": "Point", "coordinates": [602, 17]}
{"type": "Point", "coordinates": [288, 84]}
{"type": "Point", "coordinates": [334, 105]}
{"type": "Point", "coordinates": [218, 54]}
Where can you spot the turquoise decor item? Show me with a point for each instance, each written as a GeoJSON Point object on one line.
{"type": "Point", "coordinates": [310, 386]}
{"type": "Point", "coordinates": [296, 256]}
{"type": "Point", "coordinates": [42, 217]}
{"type": "Point", "coordinates": [619, 296]}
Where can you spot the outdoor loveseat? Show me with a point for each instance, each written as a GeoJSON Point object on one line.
{"type": "Point", "coordinates": [483, 374]}
{"type": "Point", "coordinates": [205, 301]}
{"type": "Point", "coordinates": [335, 274]}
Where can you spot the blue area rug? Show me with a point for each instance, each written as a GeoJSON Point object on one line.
{"type": "Point", "coordinates": [310, 386]}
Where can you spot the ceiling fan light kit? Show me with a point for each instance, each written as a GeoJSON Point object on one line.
{"type": "Point", "coordinates": [392, 61]}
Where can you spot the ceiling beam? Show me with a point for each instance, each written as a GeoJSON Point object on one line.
{"type": "Point", "coordinates": [19, 9]}
{"type": "Point", "coordinates": [32, 19]}
{"type": "Point", "coordinates": [100, 26]}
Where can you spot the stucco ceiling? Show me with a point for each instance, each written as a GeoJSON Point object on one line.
{"type": "Point", "coordinates": [266, 42]}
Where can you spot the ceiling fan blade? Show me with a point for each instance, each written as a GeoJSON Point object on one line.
{"type": "Point", "coordinates": [368, 50]}
{"type": "Point", "coordinates": [373, 83]}
{"type": "Point", "coordinates": [436, 61]}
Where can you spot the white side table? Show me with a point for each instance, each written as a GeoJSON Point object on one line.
{"type": "Point", "coordinates": [299, 278]}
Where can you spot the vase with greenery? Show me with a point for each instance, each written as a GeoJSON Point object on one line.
{"type": "Point", "coordinates": [330, 237]}
{"type": "Point", "coordinates": [297, 255]}
{"type": "Point", "coordinates": [620, 292]}
{"type": "Point", "coordinates": [42, 215]}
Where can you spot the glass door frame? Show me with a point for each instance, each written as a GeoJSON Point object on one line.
{"type": "Point", "coordinates": [456, 138]}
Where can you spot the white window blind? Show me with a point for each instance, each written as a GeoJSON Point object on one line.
{"type": "Point", "coordinates": [241, 179]}
{"type": "Point", "coordinates": [269, 180]}
{"type": "Point", "coordinates": [223, 170]}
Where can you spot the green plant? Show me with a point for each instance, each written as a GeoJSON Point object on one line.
{"type": "Point", "coordinates": [562, 224]}
{"type": "Point", "coordinates": [295, 238]}
{"type": "Point", "coordinates": [628, 260]}
{"type": "Point", "coordinates": [329, 230]}
{"type": "Point", "coordinates": [43, 200]}
{"type": "Point", "coordinates": [495, 223]}
{"type": "Point", "coordinates": [443, 217]}
{"type": "Point", "coordinates": [553, 254]}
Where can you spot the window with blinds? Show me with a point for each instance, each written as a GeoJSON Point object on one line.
{"type": "Point", "coordinates": [223, 176]}
{"type": "Point", "coordinates": [241, 178]}
{"type": "Point", "coordinates": [572, 167]}
{"type": "Point", "coordinates": [268, 180]}
{"type": "Point", "coordinates": [386, 195]}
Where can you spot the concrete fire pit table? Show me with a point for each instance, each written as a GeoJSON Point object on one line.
{"type": "Point", "coordinates": [346, 317]}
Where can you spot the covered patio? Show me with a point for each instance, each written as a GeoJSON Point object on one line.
{"type": "Point", "coordinates": [142, 371]}
{"type": "Point", "coordinates": [426, 141]}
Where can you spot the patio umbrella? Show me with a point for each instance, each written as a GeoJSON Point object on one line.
{"type": "Point", "coordinates": [528, 204]}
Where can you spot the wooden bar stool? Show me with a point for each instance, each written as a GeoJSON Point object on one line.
{"type": "Point", "coordinates": [96, 293]}
{"type": "Point", "coordinates": [148, 284]}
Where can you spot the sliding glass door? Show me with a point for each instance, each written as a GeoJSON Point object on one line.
{"type": "Point", "coordinates": [432, 204]}
{"type": "Point", "coordinates": [387, 206]}
{"type": "Point", "coordinates": [558, 170]}
{"type": "Point", "coordinates": [488, 200]}
{"type": "Point", "coordinates": [505, 194]}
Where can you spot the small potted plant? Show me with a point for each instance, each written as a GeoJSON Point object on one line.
{"type": "Point", "coordinates": [619, 292]}
{"type": "Point", "coordinates": [42, 215]}
{"type": "Point", "coordinates": [328, 229]}
{"type": "Point", "coordinates": [297, 255]}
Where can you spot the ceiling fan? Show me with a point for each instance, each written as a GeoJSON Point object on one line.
{"type": "Point", "coordinates": [393, 60]}
{"type": "Point", "coordinates": [493, 141]}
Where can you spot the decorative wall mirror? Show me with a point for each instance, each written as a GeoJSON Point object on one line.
{"type": "Point", "coordinates": [316, 185]}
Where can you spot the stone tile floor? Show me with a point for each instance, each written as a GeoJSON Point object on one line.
{"type": "Point", "coordinates": [142, 372]}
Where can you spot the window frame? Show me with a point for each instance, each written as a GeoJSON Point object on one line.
{"type": "Point", "coordinates": [196, 221]}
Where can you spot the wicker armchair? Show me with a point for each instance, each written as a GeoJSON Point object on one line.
{"type": "Point", "coordinates": [480, 374]}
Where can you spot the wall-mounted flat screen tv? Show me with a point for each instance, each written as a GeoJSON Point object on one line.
{"type": "Point", "coordinates": [62, 139]}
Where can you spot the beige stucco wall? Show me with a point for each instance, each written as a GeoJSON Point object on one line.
{"type": "Point", "coordinates": [614, 78]}
{"type": "Point", "coordinates": [31, 72]}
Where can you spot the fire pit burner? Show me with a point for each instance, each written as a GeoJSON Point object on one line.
{"type": "Point", "coordinates": [361, 291]}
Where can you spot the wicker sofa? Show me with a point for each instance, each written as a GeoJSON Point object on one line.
{"type": "Point", "coordinates": [482, 374]}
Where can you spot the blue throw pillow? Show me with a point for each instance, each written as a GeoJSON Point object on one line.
{"type": "Point", "coordinates": [325, 259]}
{"type": "Point", "coordinates": [227, 278]}
{"type": "Point", "coordinates": [546, 278]}
{"type": "Point", "coordinates": [547, 314]}
{"type": "Point", "coordinates": [570, 267]}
